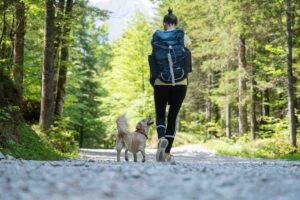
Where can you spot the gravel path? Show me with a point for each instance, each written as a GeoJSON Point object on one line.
{"type": "Point", "coordinates": [197, 174]}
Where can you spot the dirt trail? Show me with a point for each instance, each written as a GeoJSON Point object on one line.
{"type": "Point", "coordinates": [197, 174]}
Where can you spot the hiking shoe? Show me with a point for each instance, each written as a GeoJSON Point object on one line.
{"type": "Point", "coordinates": [161, 147]}
{"type": "Point", "coordinates": [169, 158]}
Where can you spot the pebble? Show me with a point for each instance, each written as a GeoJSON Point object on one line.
{"type": "Point", "coordinates": [55, 164]}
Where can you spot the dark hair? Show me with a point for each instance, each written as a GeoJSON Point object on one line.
{"type": "Point", "coordinates": [170, 18]}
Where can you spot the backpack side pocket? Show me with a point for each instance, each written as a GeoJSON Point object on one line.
{"type": "Point", "coordinates": [188, 59]}
{"type": "Point", "coordinates": [153, 66]}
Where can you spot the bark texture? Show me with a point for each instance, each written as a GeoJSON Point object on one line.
{"type": "Point", "coordinates": [291, 98]}
{"type": "Point", "coordinates": [243, 127]}
{"type": "Point", "coordinates": [47, 101]}
{"type": "Point", "coordinates": [19, 49]}
{"type": "Point", "coordinates": [64, 59]}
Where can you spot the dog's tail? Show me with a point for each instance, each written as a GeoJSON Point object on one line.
{"type": "Point", "coordinates": [122, 125]}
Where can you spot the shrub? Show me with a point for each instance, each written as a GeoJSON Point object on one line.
{"type": "Point", "coordinates": [61, 136]}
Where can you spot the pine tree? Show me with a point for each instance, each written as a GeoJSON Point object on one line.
{"type": "Point", "coordinates": [84, 88]}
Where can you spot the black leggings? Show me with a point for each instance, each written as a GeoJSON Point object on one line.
{"type": "Point", "coordinates": [174, 96]}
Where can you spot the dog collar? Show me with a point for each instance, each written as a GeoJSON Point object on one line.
{"type": "Point", "coordinates": [141, 133]}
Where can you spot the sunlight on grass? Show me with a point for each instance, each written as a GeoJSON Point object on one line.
{"type": "Point", "coordinates": [262, 148]}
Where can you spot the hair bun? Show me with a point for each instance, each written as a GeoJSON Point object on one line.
{"type": "Point", "coordinates": [170, 11]}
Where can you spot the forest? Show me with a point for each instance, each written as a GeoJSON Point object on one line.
{"type": "Point", "coordinates": [63, 83]}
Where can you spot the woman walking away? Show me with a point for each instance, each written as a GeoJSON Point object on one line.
{"type": "Point", "coordinates": [170, 63]}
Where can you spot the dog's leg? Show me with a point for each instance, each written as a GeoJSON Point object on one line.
{"type": "Point", "coordinates": [144, 155]}
{"type": "Point", "coordinates": [134, 157]}
{"type": "Point", "coordinates": [118, 154]}
{"type": "Point", "coordinates": [126, 154]}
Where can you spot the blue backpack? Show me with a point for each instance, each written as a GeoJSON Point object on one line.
{"type": "Point", "coordinates": [170, 60]}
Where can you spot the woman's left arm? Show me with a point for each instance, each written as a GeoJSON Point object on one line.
{"type": "Point", "coordinates": [187, 42]}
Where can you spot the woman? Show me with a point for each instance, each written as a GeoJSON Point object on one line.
{"type": "Point", "coordinates": [170, 92]}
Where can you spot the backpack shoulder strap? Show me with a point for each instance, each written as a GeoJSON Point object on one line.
{"type": "Point", "coordinates": [154, 37]}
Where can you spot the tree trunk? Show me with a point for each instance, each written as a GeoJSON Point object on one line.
{"type": "Point", "coordinates": [291, 98]}
{"type": "Point", "coordinates": [64, 58]}
{"type": "Point", "coordinates": [228, 120]}
{"type": "Point", "coordinates": [3, 30]}
{"type": "Point", "coordinates": [208, 103]}
{"type": "Point", "coordinates": [297, 33]}
{"type": "Point", "coordinates": [47, 101]}
{"type": "Point", "coordinates": [19, 49]}
{"type": "Point", "coordinates": [81, 129]}
{"type": "Point", "coordinates": [3, 34]}
{"type": "Point", "coordinates": [58, 25]}
{"type": "Point", "coordinates": [243, 127]}
{"type": "Point", "coordinates": [81, 136]}
{"type": "Point", "coordinates": [227, 106]}
{"type": "Point", "coordinates": [265, 102]}
{"type": "Point", "coordinates": [217, 112]}
{"type": "Point", "coordinates": [253, 104]}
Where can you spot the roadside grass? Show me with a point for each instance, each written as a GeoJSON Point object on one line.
{"type": "Point", "coordinates": [26, 143]}
{"type": "Point", "coordinates": [275, 147]}
{"type": "Point", "coordinates": [271, 148]}
{"type": "Point", "coordinates": [182, 138]}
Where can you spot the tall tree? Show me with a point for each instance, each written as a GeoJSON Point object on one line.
{"type": "Point", "coordinates": [228, 103]}
{"type": "Point", "coordinates": [266, 102]}
{"type": "Point", "coordinates": [89, 59]}
{"type": "Point", "coordinates": [291, 98]}
{"type": "Point", "coordinates": [64, 57]}
{"type": "Point", "coordinates": [253, 100]}
{"type": "Point", "coordinates": [59, 20]}
{"type": "Point", "coordinates": [47, 99]}
{"type": "Point", "coordinates": [243, 125]}
{"type": "Point", "coordinates": [19, 48]}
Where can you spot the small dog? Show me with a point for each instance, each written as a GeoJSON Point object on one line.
{"type": "Point", "coordinates": [132, 141]}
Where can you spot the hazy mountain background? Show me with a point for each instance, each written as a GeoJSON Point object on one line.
{"type": "Point", "coordinates": [122, 11]}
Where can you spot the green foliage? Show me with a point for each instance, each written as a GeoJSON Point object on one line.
{"type": "Point", "coordinates": [271, 148]}
{"type": "Point", "coordinates": [21, 141]}
{"type": "Point", "coordinates": [215, 28]}
{"type": "Point", "coordinates": [271, 126]}
{"type": "Point", "coordinates": [214, 129]}
{"type": "Point", "coordinates": [90, 57]}
{"type": "Point", "coordinates": [275, 147]}
{"type": "Point", "coordinates": [106, 80]}
{"type": "Point", "coordinates": [31, 146]}
{"type": "Point", "coordinates": [33, 51]}
{"type": "Point", "coordinates": [187, 138]}
{"type": "Point", "coordinates": [272, 142]}
{"type": "Point", "coordinates": [61, 136]}
{"type": "Point", "coordinates": [126, 83]}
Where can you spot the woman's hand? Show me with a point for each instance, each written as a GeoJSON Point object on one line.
{"type": "Point", "coordinates": [187, 42]}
